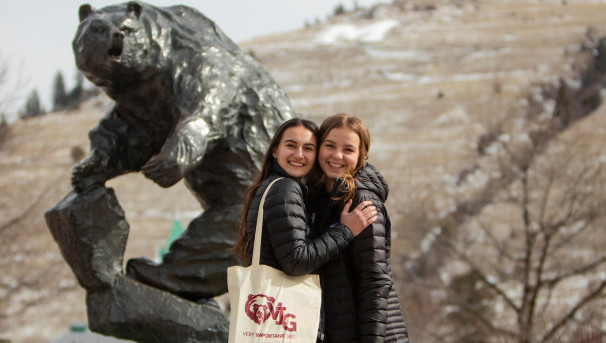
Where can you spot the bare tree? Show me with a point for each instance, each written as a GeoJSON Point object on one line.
{"type": "Point", "coordinates": [11, 85]}
{"type": "Point", "coordinates": [4, 95]}
{"type": "Point", "coordinates": [4, 101]}
{"type": "Point", "coordinates": [500, 256]}
{"type": "Point", "coordinates": [530, 266]}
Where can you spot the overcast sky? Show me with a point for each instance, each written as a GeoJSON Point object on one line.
{"type": "Point", "coordinates": [36, 35]}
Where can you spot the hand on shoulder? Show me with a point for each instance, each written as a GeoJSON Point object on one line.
{"type": "Point", "coordinates": [360, 217]}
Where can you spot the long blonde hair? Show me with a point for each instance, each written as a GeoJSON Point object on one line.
{"type": "Point", "coordinates": [316, 178]}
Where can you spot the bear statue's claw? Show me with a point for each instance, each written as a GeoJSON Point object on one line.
{"type": "Point", "coordinates": [162, 172]}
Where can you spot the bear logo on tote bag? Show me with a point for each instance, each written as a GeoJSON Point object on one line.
{"type": "Point", "coordinates": [259, 307]}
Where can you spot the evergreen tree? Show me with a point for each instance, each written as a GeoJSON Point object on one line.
{"type": "Point", "coordinates": [339, 9]}
{"type": "Point", "coordinates": [76, 95]}
{"type": "Point", "coordinates": [4, 128]}
{"type": "Point", "coordinates": [32, 106]}
{"type": "Point", "coordinates": [60, 97]}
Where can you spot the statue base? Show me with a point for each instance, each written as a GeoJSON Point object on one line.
{"type": "Point", "coordinates": [91, 231]}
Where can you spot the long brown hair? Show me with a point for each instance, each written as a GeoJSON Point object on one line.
{"type": "Point", "coordinates": [241, 246]}
{"type": "Point", "coordinates": [316, 178]}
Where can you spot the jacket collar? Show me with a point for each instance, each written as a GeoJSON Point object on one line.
{"type": "Point", "coordinates": [277, 170]}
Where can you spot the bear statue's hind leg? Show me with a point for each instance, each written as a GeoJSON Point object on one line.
{"type": "Point", "coordinates": [195, 266]}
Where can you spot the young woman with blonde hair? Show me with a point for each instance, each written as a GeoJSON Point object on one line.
{"type": "Point", "coordinates": [359, 296]}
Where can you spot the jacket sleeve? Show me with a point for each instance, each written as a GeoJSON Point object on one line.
{"type": "Point", "coordinates": [286, 221]}
{"type": "Point", "coordinates": [369, 252]}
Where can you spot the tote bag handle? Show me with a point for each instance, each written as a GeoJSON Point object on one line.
{"type": "Point", "coordinates": [257, 244]}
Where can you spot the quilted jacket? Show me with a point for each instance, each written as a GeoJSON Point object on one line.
{"type": "Point", "coordinates": [359, 295]}
{"type": "Point", "coordinates": [287, 242]}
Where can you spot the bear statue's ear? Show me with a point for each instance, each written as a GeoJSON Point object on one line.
{"type": "Point", "coordinates": [135, 8]}
{"type": "Point", "coordinates": [85, 11]}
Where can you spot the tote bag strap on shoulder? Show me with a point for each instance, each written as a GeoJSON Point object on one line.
{"type": "Point", "coordinates": [268, 305]}
{"type": "Point", "coordinates": [257, 244]}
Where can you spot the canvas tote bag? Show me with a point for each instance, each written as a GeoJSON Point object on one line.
{"type": "Point", "coordinates": [268, 305]}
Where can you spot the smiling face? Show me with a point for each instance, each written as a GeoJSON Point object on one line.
{"type": "Point", "coordinates": [296, 151]}
{"type": "Point", "coordinates": [339, 153]}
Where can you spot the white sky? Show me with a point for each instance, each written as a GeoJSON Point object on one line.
{"type": "Point", "coordinates": [36, 35]}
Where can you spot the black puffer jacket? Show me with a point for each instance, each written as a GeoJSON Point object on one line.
{"type": "Point", "coordinates": [360, 299]}
{"type": "Point", "coordinates": [287, 243]}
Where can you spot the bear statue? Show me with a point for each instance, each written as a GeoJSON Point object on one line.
{"type": "Point", "coordinates": [189, 104]}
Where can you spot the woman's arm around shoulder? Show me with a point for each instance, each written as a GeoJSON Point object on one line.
{"type": "Point", "coordinates": [286, 220]}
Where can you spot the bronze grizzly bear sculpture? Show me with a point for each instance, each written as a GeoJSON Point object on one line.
{"type": "Point", "coordinates": [188, 104]}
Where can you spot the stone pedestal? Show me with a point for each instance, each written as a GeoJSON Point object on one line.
{"type": "Point", "coordinates": [91, 232]}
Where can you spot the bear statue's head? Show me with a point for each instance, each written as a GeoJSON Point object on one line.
{"type": "Point", "coordinates": [114, 44]}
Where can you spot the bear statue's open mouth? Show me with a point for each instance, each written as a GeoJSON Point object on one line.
{"type": "Point", "coordinates": [115, 50]}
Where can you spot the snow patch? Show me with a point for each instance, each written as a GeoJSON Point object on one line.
{"type": "Point", "coordinates": [377, 53]}
{"type": "Point", "coordinates": [455, 115]}
{"type": "Point", "coordinates": [429, 238]}
{"type": "Point", "coordinates": [487, 54]}
{"type": "Point", "coordinates": [399, 77]}
{"type": "Point", "coordinates": [349, 33]}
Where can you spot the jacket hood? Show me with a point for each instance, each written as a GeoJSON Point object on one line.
{"type": "Point", "coordinates": [369, 178]}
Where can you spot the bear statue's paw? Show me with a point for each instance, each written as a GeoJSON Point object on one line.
{"type": "Point", "coordinates": [165, 172]}
{"type": "Point", "coordinates": [88, 174]}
